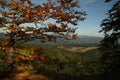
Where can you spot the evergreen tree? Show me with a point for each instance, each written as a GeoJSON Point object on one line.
{"type": "Point", "coordinates": [110, 45]}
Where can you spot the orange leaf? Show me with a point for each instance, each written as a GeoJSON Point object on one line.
{"type": "Point", "coordinates": [50, 25]}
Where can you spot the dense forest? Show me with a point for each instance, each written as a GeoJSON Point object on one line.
{"type": "Point", "coordinates": [54, 51]}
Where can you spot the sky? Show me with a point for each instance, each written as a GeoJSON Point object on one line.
{"type": "Point", "coordinates": [96, 11]}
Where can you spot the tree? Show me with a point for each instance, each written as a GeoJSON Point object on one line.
{"type": "Point", "coordinates": [16, 12]}
{"type": "Point", "coordinates": [108, 0]}
{"type": "Point", "coordinates": [111, 29]}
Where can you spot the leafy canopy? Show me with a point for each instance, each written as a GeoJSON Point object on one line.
{"type": "Point", "coordinates": [111, 29]}
{"type": "Point", "coordinates": [14, 13]}
{"type": "Point", "coordinates": [17, 12]}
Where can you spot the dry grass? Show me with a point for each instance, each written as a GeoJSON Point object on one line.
{"type": "Point", "coordinates": [81, 49]}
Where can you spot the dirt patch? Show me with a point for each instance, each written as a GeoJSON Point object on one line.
{"type": "Point", "coordinates": [82, 49]}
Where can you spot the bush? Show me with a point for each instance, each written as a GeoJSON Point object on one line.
{"type": "Point", "coordinates": [3, 67]}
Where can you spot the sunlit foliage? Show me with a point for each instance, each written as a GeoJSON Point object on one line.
{"type": "Point", "coordinates": [14, 13]}
{"type": "Point", "coordinates": [17, 12]}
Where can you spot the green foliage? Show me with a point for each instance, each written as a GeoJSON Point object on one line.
{"type": "Point", "coordinates": [70, 63]}
{"type": "Point", "coordinates": [111, 42]}
{"type": "Point", "coordinates": [4, 70]}
{"type": "Point", "coordinates": [3, 66]}
{"type": "Point", "coordinates": [62, 61]}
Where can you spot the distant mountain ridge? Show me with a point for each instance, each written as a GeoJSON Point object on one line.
{"type": "Point", "coordinates": [82, 39]}
{"type": "Point", "coordinates": [89, 39]}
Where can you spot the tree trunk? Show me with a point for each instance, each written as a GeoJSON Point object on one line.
{"type": "Point", "coordinates": [11, 46]}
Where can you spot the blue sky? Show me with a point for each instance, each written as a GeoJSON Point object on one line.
{"type": "Point", "coordinates": [96, 12]}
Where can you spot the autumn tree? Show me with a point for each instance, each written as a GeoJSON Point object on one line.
{"type": "Point", "coordinates": [14, 13]}
{"type": "Point", "coordinates": [110, 45]}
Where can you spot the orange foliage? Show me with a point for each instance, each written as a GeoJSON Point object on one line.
{"type": "Point", "coordinates": [1, 25]}
{"type": "Point", "coordinates": [18, 12]}
{"type": "Point", "coordinates": [64, 25]}
{"type": "Point", "coordinates": [24, 11]}
{"type": "Point", "coordinates": [40, 57]}
{"type": "Point", "coordinates": [37, 50]}
{"type": "Point", "coordinates": [50, 25]}
{"type": "Point", "coordinates": [5, 45]}
{"type": "Point", "coordinates": [43, 59]}
{"type": "Point", "coordinates": [74, 36]}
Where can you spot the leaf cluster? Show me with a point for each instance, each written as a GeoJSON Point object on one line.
{"type": "Point", "coordinates": [17, 12]}
{"type": "Point", "coordinates": [111, 29]}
